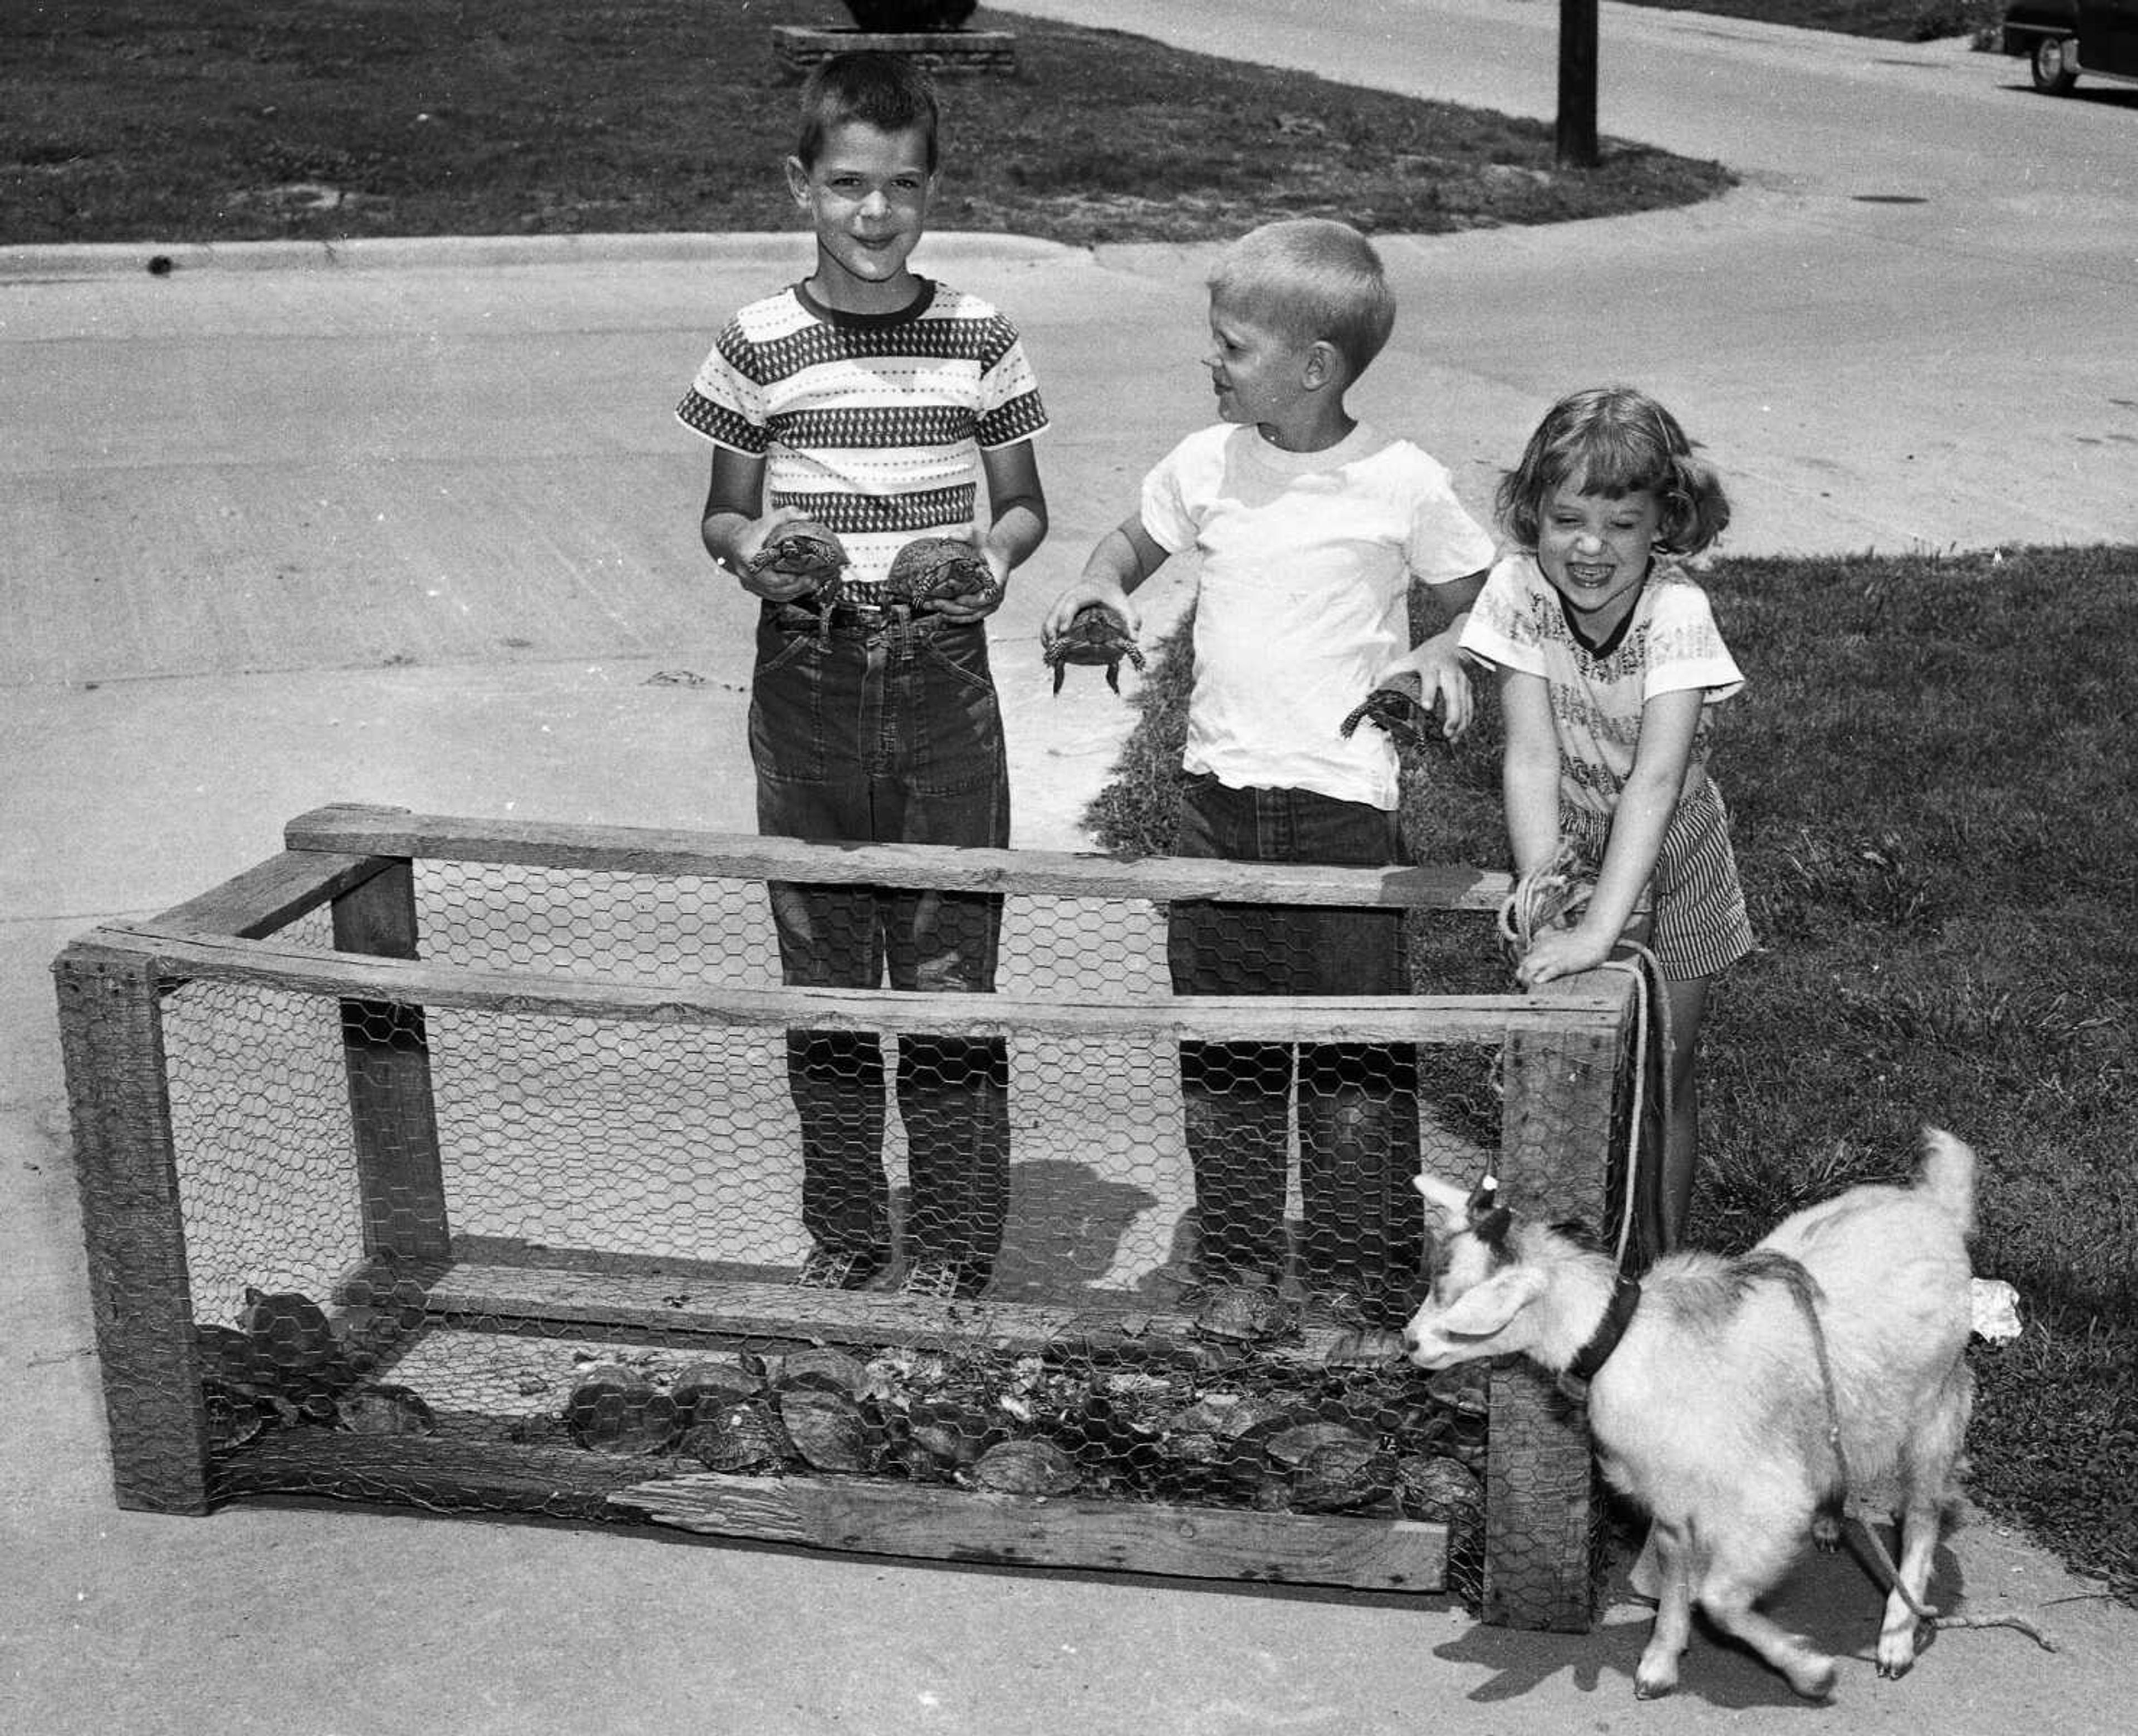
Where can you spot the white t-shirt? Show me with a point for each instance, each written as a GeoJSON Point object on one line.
{"type": "Point", "coordinates": [1667, 643]}
{"type": "Point", "coordinates": [1307, 560]}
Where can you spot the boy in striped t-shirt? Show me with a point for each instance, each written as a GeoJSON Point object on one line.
{"type": "Point", "coordinates": [871, 401]}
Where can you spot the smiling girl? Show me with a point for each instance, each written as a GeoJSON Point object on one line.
{"type": "Point", "coordinates": [1610, 666]}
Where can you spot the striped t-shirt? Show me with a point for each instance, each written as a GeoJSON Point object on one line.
{"type": "Point", "coordinates": [871, 424]}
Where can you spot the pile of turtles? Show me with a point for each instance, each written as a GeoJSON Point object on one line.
{"type": "Point", "coordinates": [1273, 1436]}
{"type": "Point", "coordinates": [283, 1365]}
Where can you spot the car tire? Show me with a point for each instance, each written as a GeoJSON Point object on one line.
{"type": "Point", "coordinates": [2051, 64]}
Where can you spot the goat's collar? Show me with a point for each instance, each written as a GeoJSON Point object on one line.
{"type": "Point", "coordinates": [1625, 1298]}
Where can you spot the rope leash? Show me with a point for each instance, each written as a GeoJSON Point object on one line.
{"type": "Point", "coordinates": [1804, 1290]}
{"type": "Point", "coordinates": [1551, 895]}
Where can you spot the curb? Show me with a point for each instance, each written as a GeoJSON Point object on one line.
{"type": "Point", "coordinates": [456, 252]}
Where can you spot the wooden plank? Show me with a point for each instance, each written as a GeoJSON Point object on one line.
{"type": "Point", "coordinates": [270, 896]}
{"type": "Point", "coordinates": [1247, 1018]}
{"type": "Point", "coordinates": [653, 851]}
{"type": "Point", "coordinates": [401, 1188]}
{"type": "Point", "coordinates": [432, 1471]}
{"type": "Point", "coordinates": [1543, 1506]}
{"type": "Point", "coordinates": [558, 1298]}
{"type": "Point", "coordinates": [948, 1524]}
{"type": "Point", "coordinates": [134, 1229]}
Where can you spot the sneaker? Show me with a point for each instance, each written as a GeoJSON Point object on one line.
{"type": "Point", "coordinates": [937, 1278]}
{"type": "Point", "coordinates": [836, 1269]}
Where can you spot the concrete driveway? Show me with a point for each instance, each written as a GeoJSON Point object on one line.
{"type": "Point", "coordinates": [410, 525]}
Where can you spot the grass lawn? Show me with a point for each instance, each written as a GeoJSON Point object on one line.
{"type": "Point", "coordinates": [248, 119]}
{"type": "Point", "coordinates": [1929, 777]}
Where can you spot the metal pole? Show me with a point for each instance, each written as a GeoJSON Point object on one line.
{"type": "Point", "coordinates": [1576, 139]}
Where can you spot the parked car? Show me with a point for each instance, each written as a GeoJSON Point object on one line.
{"type": "Point", "coordinates": [2062, 38]}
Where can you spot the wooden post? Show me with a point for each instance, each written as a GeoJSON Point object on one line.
{"type": "Point", "coordinates": [1543, 1513]}
{"type": "Point", "coordinates": [111, 1039]}
{"type": "Point", "coordinates": [401, 1187]}
{"type": "Point", "coordinates": [1576, 135]}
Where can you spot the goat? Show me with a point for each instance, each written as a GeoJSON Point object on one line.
{"type": "Point", "coordinates": [1743, 1395]}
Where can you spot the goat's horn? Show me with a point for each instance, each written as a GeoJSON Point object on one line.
{"type": "Point", "coordinates": [1488, 1217]}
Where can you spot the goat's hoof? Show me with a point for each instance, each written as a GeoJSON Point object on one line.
{"type": "Point", "coordinates": [1816, 1682]}
{"type": "Point", "coordinates": [1826, 1532]}
{"type": "Point", "coordinates": [1643, 1689]}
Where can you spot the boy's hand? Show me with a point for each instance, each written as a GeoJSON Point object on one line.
{"type": "Point", "coordinates": [1444, 679]}
{"type": "Point", "coordinates": [788, 556]}
{"type": "Point", "coordinates": [1085, 592]}
{"type": "Point", "coordinates": [963, 579]}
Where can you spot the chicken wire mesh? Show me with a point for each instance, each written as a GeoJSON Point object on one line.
{"type": "Point", "coordinates": [496, 1254]}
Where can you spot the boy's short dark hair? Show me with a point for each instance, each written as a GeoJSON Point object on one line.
{"type": "Point", "coordinates": [885, 91]}
{"type": "Point", "coordinates": [1314, 278]}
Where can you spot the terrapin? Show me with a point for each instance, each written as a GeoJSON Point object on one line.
{"type": "Point", "coordinates": [386, 1409]}
{"type": "Point", "coordinates": [617, 1409]}
{"type": "Point", "coordinates": [742, 1437]}
{"type": "Point", "coordinates": [932, 570]}
{"type": "Point", "coordinates": [1025, 1467]}
{"type": "Point", "coordinates": [803, 548]}
{"type": "Point", "coordinates": [1398, 705]}
{"type": "Point", "coordinates": [292, 1343]}
{"type": "Point", "coordinates": [1094, 635]}
{"type": "Point", "coordinates": [1246, 1313]}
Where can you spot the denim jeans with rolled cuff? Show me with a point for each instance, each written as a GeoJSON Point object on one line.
{"type": "Point", "coordinates": [886, 730]}
{"type": "Point", "coordinates": [1363, 1227]}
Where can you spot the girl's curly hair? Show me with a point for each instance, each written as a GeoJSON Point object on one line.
{"type": "Point", "coordinates": [1614, 441]}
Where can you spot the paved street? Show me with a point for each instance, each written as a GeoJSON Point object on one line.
{"type": "Point", "coordinates": [413, 524]}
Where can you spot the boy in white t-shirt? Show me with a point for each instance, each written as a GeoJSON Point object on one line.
{"type": "Point", "coordinates": [1312, 528]}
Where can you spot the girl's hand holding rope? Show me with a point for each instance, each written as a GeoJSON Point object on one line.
{"type": "Point", "coordinates": [1559, 953]}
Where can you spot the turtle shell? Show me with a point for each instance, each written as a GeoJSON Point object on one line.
{"type": "Point", "coordinates": [617, 1409]}
{"type": "Point", "coordinates": [821, 1365]}
{"type": "Point", "coordinates": [1397, 707]}
{"type": "Point", "coordinates": [1025, 1467]}
{"type": "Point", "coordinates": [1246, 1313]}
{"type": "Point", "coordinates": [1341, 1474]}
{"type": "Point", "coordinates": [1431, 1487]}
{"type": "Point", "coordinates": [803, 548]}
{"type": "Point", "coordinates": [947, 1434]}
{"type": "Point", "coordinates": [1465, 1389]}
{"type": "Point", "coordinates": [934, 569]}
{"type": "Point", "coordinates": [229, 1357]}
{"type": "Point", "coordinates": [386, 1409]}
{"type": "Point", "coordinates": [742, 1437]}
{"type": "Point", "coordinates": [235, 1414]}
{"type": "Point", "coordinates": [827, 1428]}
{"type": "Point", "coordinates": [708, 1383]}
{"type": "Point", "coordinates": [292, 1338]}
{"type": "Point", "coordinates": [1226, 1416]}
{"type": "Point", "coordinates": [1094, 635]}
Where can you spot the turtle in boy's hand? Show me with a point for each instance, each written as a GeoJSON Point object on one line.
{"type": "Point", "coordinates": [932, 570]}
{"type": "Point", "coordinates": [1398, 704]}
{"type": "Point", "coordinates": [1094, 635]}
{"type": "Point", "coordinates": [803, 548]}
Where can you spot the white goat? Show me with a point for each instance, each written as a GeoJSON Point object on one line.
{"type": "Point", "coordinates": [1743, 1396]}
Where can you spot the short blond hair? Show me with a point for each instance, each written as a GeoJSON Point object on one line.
{"type": "Point", "coordinates": [1317, 278]}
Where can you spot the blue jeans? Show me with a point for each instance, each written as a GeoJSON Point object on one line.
{"type": "Point", "coordinates": [886, 731]}
{"type": "Point", "coordinates": [1364, 1230]}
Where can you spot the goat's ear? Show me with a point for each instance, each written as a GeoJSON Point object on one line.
{"type": "Point", "coordinates": [1479, 1313]}
{"type": "Point", "coordinates": [1445, 1197]}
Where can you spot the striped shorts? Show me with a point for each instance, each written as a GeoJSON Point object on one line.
{"type": "Point", "coordinates": [1699, 925]}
